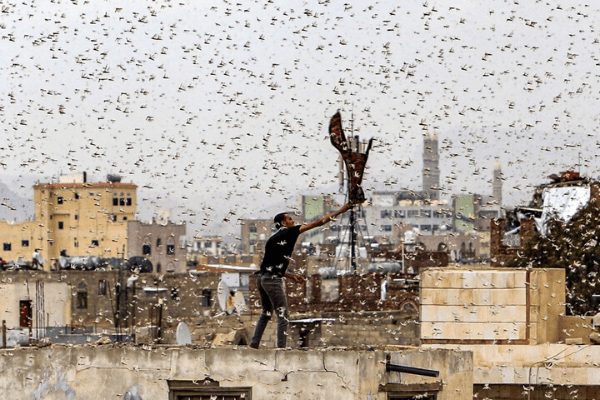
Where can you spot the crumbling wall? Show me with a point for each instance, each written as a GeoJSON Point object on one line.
{"type": "Point", "coordinates": [130, 372]}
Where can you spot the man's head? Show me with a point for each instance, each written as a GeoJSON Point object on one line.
{"type": "Point", "coordinates": [283, 219]}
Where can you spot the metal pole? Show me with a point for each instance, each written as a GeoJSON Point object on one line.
{"type": "Point", "coordinates": [352, 240]}
{"type": "Point", "coordinates": [411, 370]}
{"type": "Point", "coordinates": [4, 334]}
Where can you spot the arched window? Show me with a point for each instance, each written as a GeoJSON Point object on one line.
{"type": "Point", "coordinates": [146, 249]}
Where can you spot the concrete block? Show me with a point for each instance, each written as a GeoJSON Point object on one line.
{"type": "Point", "coordinates": [472, 331]}
{"type": "Point", "coordinates": [472, 313]}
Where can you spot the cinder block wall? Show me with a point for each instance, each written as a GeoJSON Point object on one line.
{"type": "Point", "coordinates": [491, 305]}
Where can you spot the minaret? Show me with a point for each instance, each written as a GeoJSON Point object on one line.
{"type": "Point", "coordinates": [431, 166]}
{"type": "Point", "coordinates": [497, 184]}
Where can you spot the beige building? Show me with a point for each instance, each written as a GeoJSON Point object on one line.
{"type": "Point", "coordinates": [161, 243]}
{"type": "Point", "coordinates": [19, 240]}
{"type": "Point", "coordinates": [75, 217]}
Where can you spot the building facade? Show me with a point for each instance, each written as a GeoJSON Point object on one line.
{"type": "Point", "coordinates": [75, 218]}
{"type": "Point", "coordinates": [163, 244]}
{"type": "Point", "coordinates": [431, 166]}
{"type": "Point", "coordinates": [254, 235]}
{"type": "Point", "coordinates": [392, 212]}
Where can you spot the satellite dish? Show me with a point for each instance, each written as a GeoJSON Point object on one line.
{"type": "Point", "coordinates": [183, 335]}
{"type": "Point", "coordinates": [240, 302]}
{"type": "Point", "coordinates": [222, 294]}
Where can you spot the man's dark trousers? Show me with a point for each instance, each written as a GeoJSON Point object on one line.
{"type": "Point", "coordinates": [273, 298]}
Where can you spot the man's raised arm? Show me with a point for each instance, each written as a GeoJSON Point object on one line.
{"type": "Point", "coordinates": [324, 219]}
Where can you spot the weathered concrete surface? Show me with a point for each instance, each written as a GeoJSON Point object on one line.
{"type": "Point", "coordinates": [131, 372]}
{"type": "Point", "coordinates": [544, 364]}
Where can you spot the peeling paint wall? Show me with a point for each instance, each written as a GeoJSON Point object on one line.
{"type": "Point", "coordinates": [136, 373]}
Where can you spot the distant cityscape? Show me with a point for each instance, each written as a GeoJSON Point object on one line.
{"type": "Point", "coordinates": [77, 219]}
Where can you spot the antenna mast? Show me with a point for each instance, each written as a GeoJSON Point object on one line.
{"type": "Point", "coordinates": [352, 215]}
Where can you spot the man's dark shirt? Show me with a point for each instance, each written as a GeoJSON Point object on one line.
{"type": "Point", "coordinates": [278, 250]}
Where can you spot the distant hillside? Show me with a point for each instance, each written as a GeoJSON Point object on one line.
{"type": "Point", "coordinates": [14, 207]}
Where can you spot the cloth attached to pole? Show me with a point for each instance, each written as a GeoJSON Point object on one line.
{"type": "Point", "coordinates": [355, 161]}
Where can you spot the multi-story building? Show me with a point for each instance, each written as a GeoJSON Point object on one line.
{"type": "Point", "coordinates": [163, 244]}
{"type": "Point", "coordinates": [206, 246]}
{"type": "Point", "coordinates": [396, 211]}
{"type": "Point", "coordinates": [84, 218]}
{"type": "Point", "coordinates": [431, 167]}
{"type": "Point", "coordinates": [473, 212]}
{"type": "Point", "coordinates": [73, 217]}
{"type": "Point", "coordinates": [254, 235]}
{"type": "Point", "coordinates": [313, 207]}
{"type": "Point", "coordinates": [19, 240]}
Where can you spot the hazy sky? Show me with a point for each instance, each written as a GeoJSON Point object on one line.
{"type": "Point", "coordinates": [219, 110]}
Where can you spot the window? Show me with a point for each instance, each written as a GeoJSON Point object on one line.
{"type": "Point", "coordinates": [102, 287]}
{"type": "Point", "coordinates": [412, 213]}
{"type": "Point", "coordinates": [60, 200]}
{"type": "Point", "coordinates": [206, 390]}
{"type": "Point", "coordinates": [115, 201]}
{"type": "Point", "coordinates": [129, 202]}
{"type": "Point", "coordinates": [206, 297]}
{"type": "Point", "coordinates": [170, 246]}
{"type": "Point", "coordinates": [399, 214]}
{"type": "Point", "coordinates": [61, 225]}
{"type": "Point", "coordinates": [252, 228]}
{"type": "Point", "coordinates": [170, 249]}
{"type": "Point", "coordinates": [411, 391]}
{"type": "Point", "coordinates": [113, 217]}
{"type": "Point", "coordinates": [81, 299]}
{"type": "Point", "coordinates": [411, 397]}
{"type": "Point", "coordinates": [386, 228]}
{"type": "Point", "coordinates": [426, 213]}
{"type": "Point", "coordinates": [25, 313]}
{"type": "Point", "coordinates": [124, 217]}
{"type": "Point", "coordinates": [386, 213]}
{"type": "Point", "coordinates": [24, 243]}
{"type": "Point", "coordinates": [146, 249]}
{"type": "Point", "coordinates": [94, 243]}
{"type": "Point", "coordinates": [7, 246]}
{"type": "Point", "coordinates": [158, 242]}
{"type": "Point", "coordinates": [75, 242]}
{"type": "Point", "coordinates": [121, 201]}
{"type": "Point", "coordinates": [76, 196]}
{"type": "Point", "coordinates": [76, 217]}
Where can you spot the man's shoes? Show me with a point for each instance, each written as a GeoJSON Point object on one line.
{"type": "Point", "coordinates": [254, 346]}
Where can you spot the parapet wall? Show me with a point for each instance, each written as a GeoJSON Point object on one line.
{"type": "Point", "coordinates": [136, 373]}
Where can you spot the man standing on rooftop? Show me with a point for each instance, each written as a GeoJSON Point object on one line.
{"type": "Point", "coordinates": [270, 278]}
